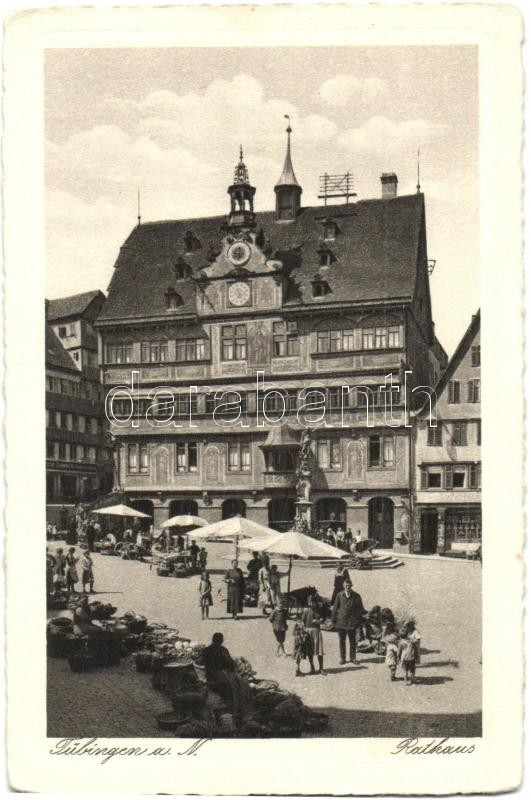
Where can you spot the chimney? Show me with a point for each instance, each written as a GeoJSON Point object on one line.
{"type": "Point", "coordinates": [389, 184]}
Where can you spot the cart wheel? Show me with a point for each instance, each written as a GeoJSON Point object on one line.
{"type": "Point", "coordinates": [118, 548]}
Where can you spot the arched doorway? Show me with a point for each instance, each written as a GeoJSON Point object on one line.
{"type": "Point", "coordinates": [331, 512]}
{"type": "Point", "coordinates": [232, 507]}
{"type": "Point", "coordinates": [381, 521]}
{"type": "Point", "coordinates": [146, 507]}
{"type": "Point", "coordinates": [281, 513]}
{"type": "Point", "coordinates": [183, 506]}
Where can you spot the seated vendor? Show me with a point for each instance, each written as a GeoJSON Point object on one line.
{"type": "Point", "coordinates": [83, 624]}
{"type": "Point", "coordinates": [222, 678]}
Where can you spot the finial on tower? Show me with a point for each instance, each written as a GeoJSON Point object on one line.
{"type": "Point", "coordinates": [418, 170]}
{"type": "Point", "coordinates": [241, 173]}
{"type": "Point", "coordinates": [139, 218]}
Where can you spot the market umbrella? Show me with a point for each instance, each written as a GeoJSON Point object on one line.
{"type": "Point", "coordinates": [185, 521]}
{"type": "Point", "coordinates": [120, 511]}
{"type": "Point", "coordinates": [233, 528]}
{"type": "Point", "coordinates": [293, 544]}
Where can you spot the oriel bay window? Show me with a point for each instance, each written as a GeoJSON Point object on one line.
{"type": "Point", "coordinates": [329, 453]}
{"type": "Point", "coordinates": [154, 352]}
{"type": "Point", "coordinates": [233, 342]}
{"type": "Point", "coordinates": [191, 350]}
{"type": "Point", "coordinates": [279, 461]}
{"type": "Point", "coordinates": [186, 457]}
{"type": "Point", "coordinates": [119, 353]}
{"type": "Point", "coordinates": [137, 458]}
{"type": "Point", "coordinates": [381, 451]}
{"type": "Point", "coordinates": [239, 456]}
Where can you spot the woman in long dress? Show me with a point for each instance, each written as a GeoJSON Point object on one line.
{"type": "Point", "coordinates": [235, 590]}
{"type": "Point", "coordinates": [264, 588]}
{"type": "Point", "coordinates": [312, 624]}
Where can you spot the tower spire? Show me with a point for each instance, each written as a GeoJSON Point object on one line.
{"type": "Point", "coordinates": [287, 188]}
{"type": "Point", "coordinates": [139, 218]}
{"type": "Point", "coordinates": [288, 174]}
{"type": "Point", "coordinates": [418, 170]}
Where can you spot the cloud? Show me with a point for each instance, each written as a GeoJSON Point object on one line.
{"type": "Point", "coordinates": [380, 133]}
{"type": "Point", "coordinates": [82, 241]}
{"type": "Point", "coordinates": [348, 91]}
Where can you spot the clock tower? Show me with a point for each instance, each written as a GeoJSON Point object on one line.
{"type": "Point", "coordinates": [241, 197]}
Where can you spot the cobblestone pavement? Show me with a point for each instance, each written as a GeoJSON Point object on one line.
{"type": "Point", "coordinates": [361, 701]}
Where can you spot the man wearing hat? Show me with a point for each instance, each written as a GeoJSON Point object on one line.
{"type": "Point", "coordinates": [347, 616]}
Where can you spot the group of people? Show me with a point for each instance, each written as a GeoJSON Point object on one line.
{"type": "Point", "coordinates": [62, 571]}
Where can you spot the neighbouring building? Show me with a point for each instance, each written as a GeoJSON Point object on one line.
{"type": "Point", "coordinates": [313, 298]}
{"type": "Point", "coordinates": [79, 455]}
{"type": "Point", "coordinates": [448, 456]}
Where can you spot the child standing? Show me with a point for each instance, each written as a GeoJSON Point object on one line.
{"type": "Point", "coordinates": [407, 655]}
{"type": "Point", "coordinates": [391, 654]}
{"type": "Point", "coordinates": [302, 647]}
{"type": "Point", "coordinates": [279, 620]}
{"type": "Point", "coordinates": [87, 573]}
{"type": "Point", "coordinates": [205, 594]}
{"type": "Point", "coordinates": [71, 571]}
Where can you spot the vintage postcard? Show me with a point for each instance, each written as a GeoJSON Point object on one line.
{"type": "Point", "coordinates": [264, 399]}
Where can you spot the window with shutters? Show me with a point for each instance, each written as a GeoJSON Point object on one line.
{"type": "Point", "coordinates": [478, 431]}
{"type": "Point", "coordinates": [435, 436]}
{"type": "Point", "coordinates": [474, 391]}
{"type": "Point", "coordinates": [475, 476]}
{"type": "Point", "coordinates": [475, 355]}
{"type": "Point", "coordinates": [459, 434]}
{"type": "Point", "coordinates": [454, 391]}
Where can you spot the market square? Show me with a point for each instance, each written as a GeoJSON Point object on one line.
{"type": "Point", "coordinates": [360, 700]}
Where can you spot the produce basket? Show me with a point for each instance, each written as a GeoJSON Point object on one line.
{"type": "Point", "coordinates": [169, 720]}
{"type": "Point", "coordinates": [82, 663]}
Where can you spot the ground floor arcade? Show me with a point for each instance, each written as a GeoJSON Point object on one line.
{"type": "Point", "coordinates": [383, 516]}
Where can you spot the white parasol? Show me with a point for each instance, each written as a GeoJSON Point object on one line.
{"type": "Point", "coordinates": [233, 528]}
{"type": "Point", "coordinates": [185, 521]}
{"type": "Point", "coordinates": [120, 511]}
{"type": "Point", "coordinates": [293, 544]}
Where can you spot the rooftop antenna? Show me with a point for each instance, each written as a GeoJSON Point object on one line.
{"type": "Point", "coordinates": [418, 170]}
{"type": "Point", "coordinates": [139, 218]}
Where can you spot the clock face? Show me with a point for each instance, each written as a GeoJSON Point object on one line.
{"type": "Point", "coordinates": [239, 294]}
{"type": "Point", "coordinates": [239, 253]}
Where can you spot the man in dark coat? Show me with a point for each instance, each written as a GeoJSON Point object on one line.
{"type": "Point", "coordinates": [347, 616]}
{"type": "Point", "coordinates": [91, 536]}
{"type": "Point", "coordinates": [235, 590]}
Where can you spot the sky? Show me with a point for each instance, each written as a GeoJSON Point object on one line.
{"type": "Point", "coordinates": [170, 122]}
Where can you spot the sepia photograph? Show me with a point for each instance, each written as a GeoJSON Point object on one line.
{"type": "Point", "coordinates": [263, 395]}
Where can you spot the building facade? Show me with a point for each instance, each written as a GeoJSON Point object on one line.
{"type": "Point", "coordinates": [448, 456]}
{"type": "Point", "coordinates": [79, 454]}
{"type": "Point", "coordinates": [242, 331]}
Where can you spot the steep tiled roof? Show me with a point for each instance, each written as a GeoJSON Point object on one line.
{"type": "Point", "coordinates": [374, 256]}
{"type": "Point", "coordinates": [460, 351]}
{"type": "Point", "coordinates": [56, 356]}
{"type": "Point", "coordinates": [72, 306]}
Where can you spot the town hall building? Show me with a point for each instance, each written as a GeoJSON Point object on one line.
{"type": "Point", "coordinates": [245, 318]}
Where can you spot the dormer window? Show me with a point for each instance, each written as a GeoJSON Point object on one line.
{"type": "Point", "coordinates": [182, 270]}
{"type": "Point", "coordinates": [173, 300]}
{"type": "Point", "coordinates": [330, 230]}
{"type": "Point", "coordinates": [320, 288]}
{"type": "Point", "coordinates": [191, 242]}
{"type": "Point", "coordinates": [326, 257]}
